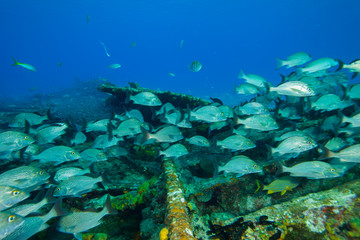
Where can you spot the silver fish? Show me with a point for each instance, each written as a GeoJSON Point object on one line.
{"type": "Point", "coordinates": [319, 65]}
{"type": "Point", "coordinates": [93, 155]}
{"type": "Point", "coordinates": [349, 154]}
{"type": "Point", "coordinates": [57, 155]}
{"type": "Point", "coordinates": [145, 99]}
{"type": "Point", "coordinates": [129, 127]}
{"type": "Point", "coordinates": [293, 88]}
{"type": "Point", "coordinates": [33, 225]}
{"type": "Point", "coordinates": [9, 222]}
{"type": "Point", "coordinates": [32, 118]}
{"type": "Point", "coordinates": [253, 79]}
{"type": "Point", "coordinates": [236, 143]}
{"type": "Point", "coordinates": [252, 108]}
{"type": "Point", "coordinates": [329, 102]}
{"type": "Point", "coordinates": [174, 151]}
{"type": "Point", "coordinates": [104, 141]}
{"type": "Point", "coordinates": [207, 114]}
{"type": "Point", "coordinates": [9, 196]}
{"type": "Point", "coordinates": [354, 120]}
{"type": "Point", "coordinates": [241, 165]}
{"type": "Point", "coordinates": [246, 88]}
{"type": "Point", "coordinates": [64, 173]}
{"type": "Point", "coordinates": [294, 144]}
{"type": "Point", "coordinates": [198, 141]}
{"type": "Point", "coordinates": [311, 170]}
{"type": "Point", "coordinates": [261, 122]}
{"type": "Point", "coordinates": [48, 134]}
{"type": "Point", "coordinates": [168, 134]}
{"type": "Point", "coordinates": [75, 186]}
{"type": "Point", "coordinates": [24, 177]}
{"type": "Point", "coordinates": [354, 92]}
{"type": "Point", "coordinates": [11, 141]}
{"type": "Point", "coordinates": [116, 151]}
{"type": "Point", "coordinates": [77, 222]}
{"type": "Point", "coordinates": [26, 209]}
{"type": "Point", "coordinates": [293, 60]}
{"type": "Point", "coordinates": [79, 138]}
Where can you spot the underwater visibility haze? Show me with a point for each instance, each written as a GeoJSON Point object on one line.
{"type": "Point", "coordinates": [179, 119]}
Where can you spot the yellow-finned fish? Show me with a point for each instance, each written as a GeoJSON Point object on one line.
{"type": "Point", "coordinates": [24, 65]}
{"type": "Point", "coordinates": [195, 66]}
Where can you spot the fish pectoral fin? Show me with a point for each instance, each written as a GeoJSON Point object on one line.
{"type": "Point", "coordinates": [270, 192]}
{"type": "Point", "coordinates": [78, 236]}
{"type": "Point", "coordinates": [295, 90]}
{"type": "Point", "coordinates": [283, 192]}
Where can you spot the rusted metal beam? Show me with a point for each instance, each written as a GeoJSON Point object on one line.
{"type": "Point", "coordinates": [177, 218]}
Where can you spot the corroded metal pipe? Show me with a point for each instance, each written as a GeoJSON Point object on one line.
{"type": "Point", "coordinates": [177, 218]}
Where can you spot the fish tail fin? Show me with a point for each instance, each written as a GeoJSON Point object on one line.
{"type": "Point", "coordinates": [110, 128]}
{"type": "Point", "coordinates": [354, 75]}
{"type": "Point", "coordinates": [128, 97]}
{"type": "Point", "coordinates": [15, 62]}
{"type": "Point", "coordinates": [108, 209]}
{"type": "Point", "coordinates": [341, 65]}
{"type": "Point", "coordinates": [326, 153]}
{"type": "Point", "coordinates": [280, 168]}
{"type": "Point", "coordinates": [49, 115]}
{"type": "Point", "coordinates": [27, 127]}
{"type": "Point", "coordinates": [145, 135]}
{"type": "Point", "coordinates": [57, 210]}
{"type": "Point", "coordinates": [241, 74]}
{"type": "Point", "coordinates": [279, 63]}
{"type": "Point", "coordinates": [269, 152]}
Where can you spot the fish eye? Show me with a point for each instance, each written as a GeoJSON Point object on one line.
{"type": "Point", "coordinates": [15, 192]}
{"type": "Point", "coordinates": [41, 173]}
{"type": "Point", "coordinates": [255, 166]}
{"type": "Point", "coordinates": [332, 170]}
{"type": "Point", "coordinates": [72, 153]}
{"type": "Point", "coordinates": [57, 189]}
{"type": "Point", "coordinates": [11, 218]}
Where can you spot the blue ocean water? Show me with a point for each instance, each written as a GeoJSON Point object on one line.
{"type": "Point", "coordinates": [225, 36]}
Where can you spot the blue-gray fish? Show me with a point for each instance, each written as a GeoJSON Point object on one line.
{"type": "Point", "coordinates": [252, 108]}
{"type": "Point", "coordinates": [33, 225]}
{"type": "Point", "coordinates": [311, 170]}
{"type": "Point", "coordinates": [32, 118]}
{"type": "Point", "coordinates": [198, 141]}
{"type": "Point", "coordinates": [261, 122]}
{"type": "Point", "coordinates": [168, 134]}
{"type": "Point", "coordinates": [329, 102]}
{"type": "Point", "coordinates": [24, 177]}
{"type": "Point", "coordinates": [295, 145]}
{"type": "Point", "coordinates": [9, 222]}
{"type": "Point", "coordinates": [246, 88]}
{"type": "Point", "coordinates": [207, 114]}
{"type": "Point", "coordinates": [28, 208]}
{"type": "Point", "coordinates": [349, 154]}
{"type": "Point", "coordinates": [195, 66]}
{"type": "Point", "coordinates": [294, 88]}
{"type": "Point", "coordinates": [11, 141]}
{"type": "Point", "coordinates": [50, 133]}
{"type": "Point", "coordinates": [174, 151]}
{"type": "Point", "coordinates": [128, 127]}
{"type": "Point", "coordinates": [236, 143]}
{"type": "Point", "coordinates": [319, 65]}
{"type": "Point", "coordinates": [64, 173]}
{"type": "Point", "coordinates": [75, 186]}
{"type": "Point", "coordinates": [79, 138]}
{"type": "Point", "coordinates": [77, 222]}
{"type": "Point", "coordinates": [241, 165]}
{"type": "Point", "coordinates": [9, 196]}
{"type": "Point", "coordinates": [253, 79]}
{"type": "Point", "coordinates": [293, 60]}
{"type": "Point", "coordinates": [57, 155]}
{"type": "Point", "coordinates": [145, 99]}
{"type": "Point", "coordinates": [93, 155]}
